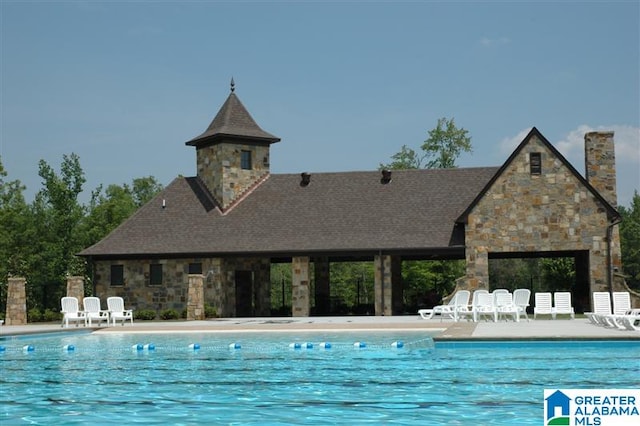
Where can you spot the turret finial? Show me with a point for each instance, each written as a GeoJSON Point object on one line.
{"type": "Point", "coordinates": [233, 85]}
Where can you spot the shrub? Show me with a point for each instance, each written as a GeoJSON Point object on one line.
{"type": "Point", "coordinates": [34, 315]}
{"type": "Point", "coordinates": [210, 312]}
{"type": "Point", "coordinates": [169, 314]}
{"type": "Point", "coordinates": [51, 316]}
{"type": "Point", "coordinates": [144, 314]}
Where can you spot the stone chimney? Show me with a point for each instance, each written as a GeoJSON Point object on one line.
{"type": "Point", "coordinates": [600, 164]}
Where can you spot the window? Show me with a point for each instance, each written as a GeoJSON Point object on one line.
{"type": "Point", "coordinates": [245, 160]}
{"type": "Point", "coordinates": [535, 163]}
{"type": "Point", "coordinates": [117, 275]}
{"type": "Point", "coordinates": [195, 268]}
{"type": "Point", "coordinates": [155, 274]}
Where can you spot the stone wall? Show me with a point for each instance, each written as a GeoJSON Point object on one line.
{"type": "Point", "coordinates": [524, 212]}
{"type": "Point", "coordinates": [219, 168]}
{"type": "Point", "coordinates": [219, 283]}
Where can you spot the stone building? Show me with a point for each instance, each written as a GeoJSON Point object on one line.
{"type": "Point", "coordinates": [227, 224]}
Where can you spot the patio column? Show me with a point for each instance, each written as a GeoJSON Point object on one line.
{"type": "Point", "coordinates": [300, 303]}
{"type": "Point", "coordinates": [195, 297]}
{"type": "Point", "coordinates": [75, 288]}
{"type": "Point", "coordinates": [383, 285]}
{"type": "Point", "coordinates": [16, 313]}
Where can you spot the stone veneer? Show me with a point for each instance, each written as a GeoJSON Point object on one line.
{"type": "Point", "coordinates": [16, 313]}
{"type": "Point", "coordinates": [524, 213]}
{"type": "Point", "coordinates": [219, 168]}
{"type": "Point", "coordinates": [173, 293]}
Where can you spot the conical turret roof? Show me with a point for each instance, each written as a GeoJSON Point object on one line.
{"type": "Point", "coordinates": [233, 121]}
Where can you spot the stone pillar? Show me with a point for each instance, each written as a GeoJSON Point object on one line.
{"type": "Point", "coordinates": [75, 288]}
{"type": "Point", "coordinates": [300, 303]}
{"type": "Point", "coordinates": [397, 290]}
{"type": "Point", "coordinates": [600, 164]}
{"type": "Point", "coordinates": [322, 286]}
{"type": "Point", "coordinates": [477, 277]}
{"type": "Point", "coordinates": [195, 297]}
{"type": "Point", "coordinates": [16, 302]}
{"type": "Point", "coordinates": [383, 285]}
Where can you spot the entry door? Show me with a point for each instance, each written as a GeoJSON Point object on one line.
{"type": "Point", "coordinates": [244, 294]}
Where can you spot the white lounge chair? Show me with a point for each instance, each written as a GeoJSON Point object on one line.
{"type": "Point", "coordinates": [505, 306]}
{"type": "Point", "coordinates": [562, 304]}
{"type": "Point", "coordinates": [117, 312]}
{"type": "Point", "coordinates": [93, 312]}
{"type": "Point", "coordinates": [630, 320]}
{"type": "Point", "coordinates": [543, 305]}
{"type": "Point", "coordinates": [521, 298]}
{"type": "Point", "coordinates": [482, 306]}
{"type": "Point", "coordinates": [601, 308]}
{"type": "Point", "coordinates": [449, 310]}
{"type": "Point", "coordinates": [71, 311]}
{"type": "Point", "coordinates": [621, 302]}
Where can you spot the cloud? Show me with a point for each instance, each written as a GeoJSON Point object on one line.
{"type": "Point", "coordinates": [509, 144]}
{"type": "Point", "coordinates": [490, 42]}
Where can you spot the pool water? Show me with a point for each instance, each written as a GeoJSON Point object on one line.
{"type": "Point", "coordinates": [360, 379]}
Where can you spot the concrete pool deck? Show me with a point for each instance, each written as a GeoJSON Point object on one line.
{"type": "Point", "coordinates": [540, 329]}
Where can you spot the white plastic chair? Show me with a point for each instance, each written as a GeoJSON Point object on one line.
{"type": "Point", "coordinates": [562, 304]}
{"type": "Point", "coordinates": [601, 308]}
{"type": "Point", "coordinates": [117, 312]}
{"type": "Point", "coordinates": [505, 306]}
{"type": "Point", "coordinates": [521, 298]}
{"type": "Point", "coordinates": [93, 312]}
{"type": "Point", "coordinates": [621, 302]}
{"type": "Point", "coordinates": [71, 311]}
{"type": "Point", "coordinates": [482, 305]}
{"type": "Point", "coordinates": [543, 305]}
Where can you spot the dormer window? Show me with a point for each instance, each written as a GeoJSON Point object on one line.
{"type": "Point", "coordinates": [535, 163]}
{"type": "Point", "coordinates": [245, 160]}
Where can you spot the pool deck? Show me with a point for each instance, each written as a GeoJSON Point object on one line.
{"type": "Point", "coordinates": [540, 329]}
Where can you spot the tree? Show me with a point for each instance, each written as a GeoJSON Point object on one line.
{"type": "Point", "coordinates": [440, 151]}
{"type": "Point", "coordinates": [630, 241]}
{"type": "Point", "coordinates": [55, 237]}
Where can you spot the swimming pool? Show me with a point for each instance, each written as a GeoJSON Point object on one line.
{"type": "Point", "coordinates": [252, 378]}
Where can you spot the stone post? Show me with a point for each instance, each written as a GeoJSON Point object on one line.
{"type": "Point", "coordinates": [383, 285]}
{"type": "Point", "coordinates": [75, 288]}
{"type": "Point", "coordinates": [195, 298]}
{"type": "Point", "coordinates": [300, 303]}
{"type": "Point", "coordinates": [16, 302]}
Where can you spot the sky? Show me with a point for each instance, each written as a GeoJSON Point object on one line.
{"type": "Point", "coordinates": [344, 84]}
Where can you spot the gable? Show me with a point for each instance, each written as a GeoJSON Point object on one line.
{"type": "Point", "coordinates": [524, 211]}
{"type": "Point", "coordinates": [552, 161]}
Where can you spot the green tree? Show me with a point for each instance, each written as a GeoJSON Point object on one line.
{"type": "Point", "coordinates": [54, 234]}
{"type": "Point", "coordinates": [13, 223]}
{"type": "Point", "coordinates": [440, 151]}
{"type": "Point", "coordinates": [630, 241]}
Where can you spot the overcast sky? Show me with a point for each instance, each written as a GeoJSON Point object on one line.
{"type": "Point", "coordinates": [344, 84]}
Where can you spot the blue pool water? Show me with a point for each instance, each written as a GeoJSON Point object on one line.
{"type": "Point", "coordinates": [106, 380]}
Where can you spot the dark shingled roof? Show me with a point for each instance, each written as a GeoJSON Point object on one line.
{"type": "Point", "coordinates": [233, 121]}
{"type": "Point", "coordinates": [349, 212]}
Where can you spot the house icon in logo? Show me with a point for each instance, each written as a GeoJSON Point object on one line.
{"type": "Point", "coordinates": [557, 405]}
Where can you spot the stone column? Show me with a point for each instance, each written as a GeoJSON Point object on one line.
{"type": "Point", "coordinates": [300, 303]}
{"type": "Point", "coordinates": [16, 302]}
{"type": "Point", "coordinates": [383, 285]}
{"type": "Point", "coordinates": [195, 298]}
{"type": "Point", "coordinates": [477, 269]}
{"type": "Point", "coordinates": [75, 288]}
{"type": "Point", "coordinates": [397, 290]}
{"type": "Point", "coordinates": [322, 286]}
